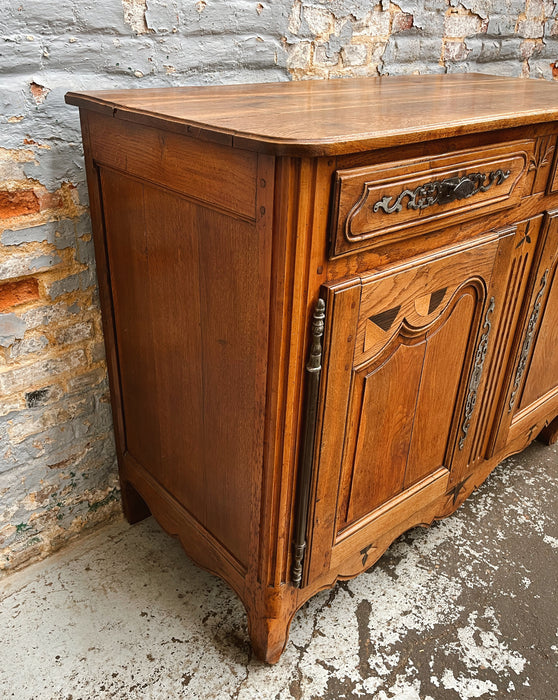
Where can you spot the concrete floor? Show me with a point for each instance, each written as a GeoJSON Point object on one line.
{"type": "Point", "coordinates": [465, 609]}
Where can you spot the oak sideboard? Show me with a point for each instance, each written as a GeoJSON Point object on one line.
{"type": "Point", "coordinates": [330, 310]}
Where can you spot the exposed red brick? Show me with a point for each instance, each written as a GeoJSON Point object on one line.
{"type": "Point", "coordinates": [39, 92]}
{"type": "Point", "coordinates": [455, 51]}
{"type": "Point", "coordinates": [401, 22]}
{"type": "Point", "coordinates": [49, 200]}
{"type": "Point", "coordinates": [17, 203]}
{"type": "Point", "coordinates": [554, 71]}
{"type": "Point", "coordinates": [15, 293]}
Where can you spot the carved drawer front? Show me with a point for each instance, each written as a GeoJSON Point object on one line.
{"type": "Point", "coordinates": [376, 205]}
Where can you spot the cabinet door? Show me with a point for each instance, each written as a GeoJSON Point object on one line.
{"type": "Point", "coordinates": [404, 357]}
{"type": "Point", "coordinates": [532, 391]}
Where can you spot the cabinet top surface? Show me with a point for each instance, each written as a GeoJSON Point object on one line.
{"type": "Point", "coordinates": [334, 116]}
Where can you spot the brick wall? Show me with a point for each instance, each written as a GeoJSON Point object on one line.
{"type": "Point", "coordinates": [57, 464]}
{"type": "Point", "coordinates": [337, 38]}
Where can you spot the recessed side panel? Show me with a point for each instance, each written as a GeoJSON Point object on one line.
{"type": "Point", "coordinates": [127, 250]}
{"type": "Point", "coordinates": [189, 291]}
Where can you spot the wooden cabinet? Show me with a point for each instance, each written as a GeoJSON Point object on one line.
{"type": "Point", "coordinates": [330, 310]}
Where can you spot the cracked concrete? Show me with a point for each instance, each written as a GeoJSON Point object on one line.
{"type": "Point", "coordinates": [463, 610]}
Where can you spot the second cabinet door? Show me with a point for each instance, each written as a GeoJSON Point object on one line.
{"type": "Point", "coordinates": [404, 357]}
{"type": "Point", "coordinates": [532, 392]}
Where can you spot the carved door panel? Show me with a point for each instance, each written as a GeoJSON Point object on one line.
{"type": "Point", "coordinates": [532, 392]}
{"type": "Point", "coordinates": [404, 355]}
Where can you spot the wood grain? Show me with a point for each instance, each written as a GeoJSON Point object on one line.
{"type": "Point", "coordinates": [179, 370]}
{"type": "Point", "coordinates": [206, 174]}
{"type": "Point", "coordinates": [543, 368]}
{"type": "Point", "coordinates": [335, 116]}
{"type": "Point", "coordinates": [378, 205]}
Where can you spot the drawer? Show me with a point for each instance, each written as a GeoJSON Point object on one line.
{"type": "Point", "coordinates": [380, 204]}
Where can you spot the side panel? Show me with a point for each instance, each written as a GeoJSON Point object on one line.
{"type": "Point", "coordinates": [189, 289]}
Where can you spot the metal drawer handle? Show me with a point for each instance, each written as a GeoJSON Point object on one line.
{"type": "Point", "coordinates": [443, 191]}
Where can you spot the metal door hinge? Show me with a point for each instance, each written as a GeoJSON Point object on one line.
{"type": "Point", "coordinates": [304, 481]}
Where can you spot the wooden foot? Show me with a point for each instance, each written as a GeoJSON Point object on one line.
{"type": "Point", "coordinates": [549, 434]}
{"type": "Point", "coordinates": [133, 505]}
{"type": "Point", "coordinates": [268, 636]}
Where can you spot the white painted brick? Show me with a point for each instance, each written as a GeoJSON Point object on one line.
{"type": "Point", "coordinates": [455, 51]}
{"type": "Point", "coordinates": [134, 15]}
{"type": "Point", "coordinates": [458, 25]}
{"type": "Point", "coordinates": [299, 55]}
{"type": "Point", "coordinates": [28, 346]}
{"type": "Point", "coordinates": [34, 421]}
{"type": "Point", "coordinates": [354, 55]}
{"type": "Point", "coordinates": [295, 17]}
{"type": "Point", "coordinates": [38, 373]}
{"type": "Point", "coordinates": [539, 9]}
{"type": "Point", "coordinates": [67, 44]}
{"type": "Point", "coordinates": [319, 21]}
{"type": "Point", "coordinates": [18, 265]}
{"type": "Point", "coordinates": [321, 57]}
{"type": "Point", "coordinates": [74, 334]}
{"type": "Point", "coordinates": [45, 315]}
{"type": "Point", "coordinates": [531, 28]}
